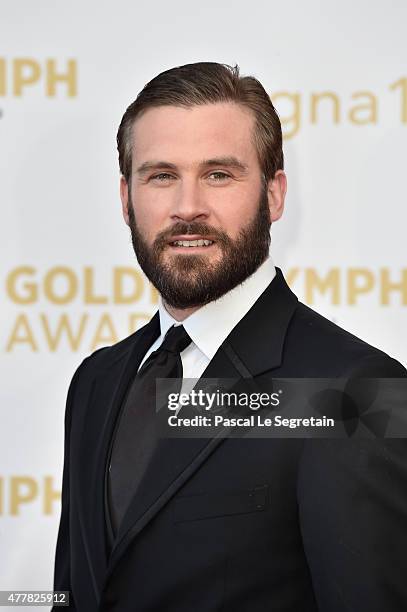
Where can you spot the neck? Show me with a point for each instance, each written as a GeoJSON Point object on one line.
{"type": "Point", "coordinates": [180, 314]}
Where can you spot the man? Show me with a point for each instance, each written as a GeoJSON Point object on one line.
{"type": "Point", "coordinates": [151, 523]}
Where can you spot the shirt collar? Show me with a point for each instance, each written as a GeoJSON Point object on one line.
{"type": "Point", "coordinates": [211, 324]}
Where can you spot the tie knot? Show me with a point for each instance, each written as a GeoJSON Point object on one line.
{"type": "Point", "coordinates": [176, 340]}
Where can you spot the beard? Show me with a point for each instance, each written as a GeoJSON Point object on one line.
{"type": "Point", "coordinates": [186, 281]}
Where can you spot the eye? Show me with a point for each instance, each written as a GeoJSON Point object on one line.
{"type": "Point", "coordinates": [219, 176]}
{"type": "Point", "coordinates": [162, 177]}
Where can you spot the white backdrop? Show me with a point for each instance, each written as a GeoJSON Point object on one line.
{"type": "Point", "coordinates": [337, 72]}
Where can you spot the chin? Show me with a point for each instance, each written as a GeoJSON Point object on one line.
{"type": "Point", "coordinates": [187, 263]}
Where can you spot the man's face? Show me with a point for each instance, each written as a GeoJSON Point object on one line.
{"type": "Point", "coordinates": [197, 206]}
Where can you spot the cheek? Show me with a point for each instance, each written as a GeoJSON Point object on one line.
{"type": "Point", "coordinates": [150, 217]}
{"type": "Point", "coordinates": [235, 215]}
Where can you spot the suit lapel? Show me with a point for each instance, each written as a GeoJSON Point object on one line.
{"type": "Point", "coordinates": [253, 347]}
{"type": "Point", "coordinates": [259, 338]}
{"type": "Point", "coordinates": [109, 388]}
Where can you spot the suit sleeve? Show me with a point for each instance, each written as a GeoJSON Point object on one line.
{"type": "Point", "coordinates": [352, 496]}
{"type": "Point", "coordinates": [62, 568]}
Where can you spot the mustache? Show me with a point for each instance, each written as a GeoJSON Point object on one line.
{"type": "Point", "coordinates": [195, 227]}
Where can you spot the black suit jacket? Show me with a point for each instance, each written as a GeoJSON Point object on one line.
{"type": "Point", "coordinates": [237, 525]}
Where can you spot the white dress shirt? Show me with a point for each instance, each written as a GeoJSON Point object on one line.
{"type": "Point", "coordinates": [210, 325]}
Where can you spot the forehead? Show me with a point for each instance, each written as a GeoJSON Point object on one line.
{"type": "Point", "coordinates": [199, 132]}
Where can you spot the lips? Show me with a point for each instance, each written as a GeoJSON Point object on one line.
{"type": "Point", "coordinates": [192, 243]}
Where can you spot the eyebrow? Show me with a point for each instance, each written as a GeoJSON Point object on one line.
{"type": "Point", "coordinates": [228, 161]}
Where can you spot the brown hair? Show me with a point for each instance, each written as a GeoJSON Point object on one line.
{"type": "Point", "coordinates": [207, 83]}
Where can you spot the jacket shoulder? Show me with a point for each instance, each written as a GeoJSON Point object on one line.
{"type": "Point", "coordinates": [106, 356]}
{"type": "Point", "coordinates": [330, 347]}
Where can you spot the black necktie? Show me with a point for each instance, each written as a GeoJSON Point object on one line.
{"type": "Point", "coordinates": [135, 437]}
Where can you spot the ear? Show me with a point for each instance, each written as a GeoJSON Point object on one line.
{"type": "Point", "coordinates": [276, 190]}
{"type": "Point", "coordinates": [124, 196]}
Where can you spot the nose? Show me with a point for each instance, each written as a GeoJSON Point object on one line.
{"type": "Point", "coordinates": [190, 202]}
